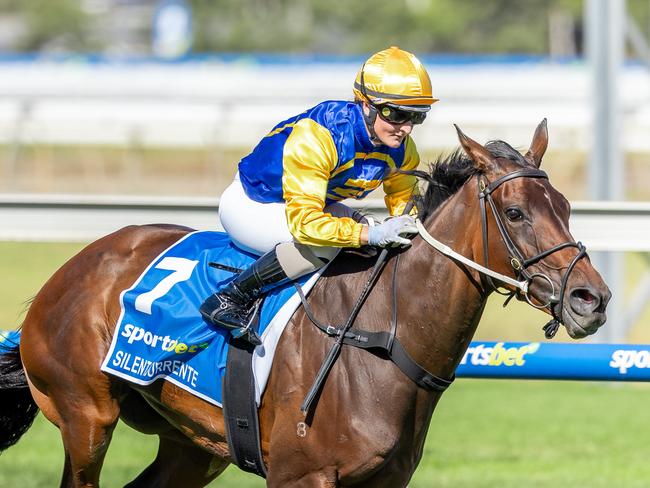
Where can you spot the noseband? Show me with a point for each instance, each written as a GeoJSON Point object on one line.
{"type": "Point", "coordinates": [517, 260]}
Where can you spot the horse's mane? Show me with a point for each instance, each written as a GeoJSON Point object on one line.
{"type": "Point", "coordinates": [450, 172]}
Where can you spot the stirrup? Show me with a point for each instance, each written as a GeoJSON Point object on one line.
{"type": "Point", "coordinates": [238, 330]}
{"type": "Point", "coordinates": [217, 304]}
{"type": "Point", "coordinates": [247, 332]}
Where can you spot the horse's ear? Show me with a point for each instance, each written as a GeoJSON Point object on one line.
{"type": "Point", "coordinates": [475, 151]}
{"type": "Point", "coordinates": [539, 145]}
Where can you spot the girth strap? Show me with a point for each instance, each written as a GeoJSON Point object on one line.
{"type": "Point", "coordinates": [239, 409]}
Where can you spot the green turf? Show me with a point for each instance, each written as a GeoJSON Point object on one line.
{"type": "Point", "coordinates": [485, 433]}
{"type": "Point", "coordinates": [25, 267]}
{"type": "Point", "coordinates": [507, 433]}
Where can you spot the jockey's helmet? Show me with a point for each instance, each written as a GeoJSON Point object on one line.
{"type": "Point", "coordinates": [396, 78]}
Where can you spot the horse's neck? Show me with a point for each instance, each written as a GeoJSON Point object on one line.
{"type": "Point", "coordinates": [437, 308]}
{"type": "Point", "coordinates": [450, 299]}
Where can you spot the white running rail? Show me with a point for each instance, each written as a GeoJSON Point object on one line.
{"type": "Point", "coordinates": [601, 226]}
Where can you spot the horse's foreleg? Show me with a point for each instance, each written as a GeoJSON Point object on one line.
{"type": "Point", "coordinates": [179, 463]}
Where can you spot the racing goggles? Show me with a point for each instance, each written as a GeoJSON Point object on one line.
{"type": "Point", "coordinates": [394, 115]}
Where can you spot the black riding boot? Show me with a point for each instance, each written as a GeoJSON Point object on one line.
{"type": "Point", "coordinates": [232, 306]}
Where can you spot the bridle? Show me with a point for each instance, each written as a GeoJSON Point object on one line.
{"type": "Point", "coordinates": [519, 263]}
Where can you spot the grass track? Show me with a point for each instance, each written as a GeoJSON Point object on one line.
{"type": "Point", "coordinates": [485, 433]}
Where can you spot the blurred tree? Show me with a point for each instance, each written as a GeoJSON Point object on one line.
{"type": "Point", "coordinates": [252, 25]}
{"type": "Point", "coordinates": [343, 27]}
{"type": "Point", "coordinates": [538, 27]}
{"type": "Point", "coordinates": [53, 25]}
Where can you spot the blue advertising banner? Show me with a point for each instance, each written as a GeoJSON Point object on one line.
{"type": "Point", "coordinates": [534, 360]}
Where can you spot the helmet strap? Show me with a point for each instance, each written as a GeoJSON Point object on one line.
{"type": "Point", "coordinates": [372, 114]}
{"type": "Point", "coordinates": [370, 119]}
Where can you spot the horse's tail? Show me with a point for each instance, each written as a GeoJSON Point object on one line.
{"type": "Point", "coordinates": [17, 406]}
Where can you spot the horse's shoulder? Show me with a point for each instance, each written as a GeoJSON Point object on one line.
{"type": "Point", "coordinates": [343, 277]}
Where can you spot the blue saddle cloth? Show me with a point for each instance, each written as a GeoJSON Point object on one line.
{"type": "Point", "coordinates": [160, 332]}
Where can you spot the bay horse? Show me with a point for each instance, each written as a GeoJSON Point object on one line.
{"type": "Point", "coordinates": [370, 421]}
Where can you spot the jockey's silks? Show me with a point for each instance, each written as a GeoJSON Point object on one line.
{"type": "Point", "coordinates": [321, 156]}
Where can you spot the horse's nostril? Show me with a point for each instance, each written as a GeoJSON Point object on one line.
{"type": "Point", "coordinates": [584, 301]}
{"type": "Point", "coordinates": [584, 295]}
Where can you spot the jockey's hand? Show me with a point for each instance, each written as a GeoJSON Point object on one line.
{"type": "Point", "coordinates": [391, 233]}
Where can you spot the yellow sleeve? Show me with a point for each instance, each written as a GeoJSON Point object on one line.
{"type": "Point", "coordinates": [399, 187]}
{"type": "Point", "coordinates": [309, 158]}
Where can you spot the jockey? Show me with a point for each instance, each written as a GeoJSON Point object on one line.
{"type": "Point", "coordinates": [284, 202]}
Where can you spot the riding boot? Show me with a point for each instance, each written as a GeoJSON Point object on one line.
{"type": "Point", "coordinates": [232, 307]}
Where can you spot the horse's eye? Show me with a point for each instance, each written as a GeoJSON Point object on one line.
{"type": "Point", "coordinates": [514, 214]}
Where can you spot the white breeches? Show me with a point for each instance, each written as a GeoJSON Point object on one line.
{"type": "Point", "coordinates": [259, 227]}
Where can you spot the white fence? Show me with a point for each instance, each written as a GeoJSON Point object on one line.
{"type": "Point", "coordinates": [602, 226]}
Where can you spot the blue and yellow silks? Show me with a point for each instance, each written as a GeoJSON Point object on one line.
{"type": "Point", "coordinates": [322, 156]}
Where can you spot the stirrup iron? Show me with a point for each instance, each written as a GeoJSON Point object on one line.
{"type": "Point", "coordinates": [247, 332]}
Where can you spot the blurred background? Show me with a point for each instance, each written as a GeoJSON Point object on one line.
{"type": "Point", "coordinates": [132, 111]}
{"type": "Point", "coordinates": [164, 97]}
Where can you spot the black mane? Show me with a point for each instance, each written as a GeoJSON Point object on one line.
{"type": "Point", "coordinates": [449, 173]}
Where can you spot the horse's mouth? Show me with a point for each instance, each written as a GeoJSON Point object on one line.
{"type": "Point", "coordinates": [581, 327]}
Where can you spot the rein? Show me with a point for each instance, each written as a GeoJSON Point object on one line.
{"type": "Point", "coordinates": [447, 251]}
{"type": "Point", "coordinates": [335, 350]}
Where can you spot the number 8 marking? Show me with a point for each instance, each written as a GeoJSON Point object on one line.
{"type": "Point", "coordinates": [182, 270]}
{"type": "Point", "coordinates": [301, 429]}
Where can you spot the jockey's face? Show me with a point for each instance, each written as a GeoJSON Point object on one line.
{"type": "Point", "coordinates": [390, 134]}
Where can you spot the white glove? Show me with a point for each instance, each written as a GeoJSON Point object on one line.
{"type": "Point", "coordinates": [389, 233]}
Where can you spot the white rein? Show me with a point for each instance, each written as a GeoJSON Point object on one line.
{"type": "Point", "coordinates": [446, 250]}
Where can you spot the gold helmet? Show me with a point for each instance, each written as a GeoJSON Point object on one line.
{"type": "Point", "coordinates": [394, 77]}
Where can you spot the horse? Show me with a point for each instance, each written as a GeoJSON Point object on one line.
{"type": "Point", "coordinates": [370, 420]}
